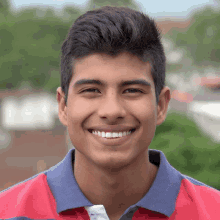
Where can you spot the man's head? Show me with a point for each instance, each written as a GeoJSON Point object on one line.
{"type": "Point", "coordinates": [112, 109]}
{"type": "Point", "coordinates": [112, 30]}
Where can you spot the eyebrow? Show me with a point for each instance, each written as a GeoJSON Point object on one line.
{"type": "Point", "coordinates": [124, 83]}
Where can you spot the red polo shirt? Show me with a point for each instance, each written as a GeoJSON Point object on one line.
{"type": "Point", "coordinates": [55, 194]}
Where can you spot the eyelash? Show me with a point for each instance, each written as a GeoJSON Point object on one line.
{"type": "Point", "coordinates": [89, 90]}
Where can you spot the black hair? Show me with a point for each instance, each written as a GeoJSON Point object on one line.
{"type": "Point", "coordinates": [112, 30]}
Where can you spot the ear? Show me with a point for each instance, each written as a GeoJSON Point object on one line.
{"type": "Point", "coordinates": [62, 106]}
{"type": "Point", "coordinates": [162, 107]}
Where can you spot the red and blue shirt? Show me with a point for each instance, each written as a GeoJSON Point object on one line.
{"type": "Point", "coordinates": [55, 194]}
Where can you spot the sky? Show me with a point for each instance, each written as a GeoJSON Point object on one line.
{"type": "Point", "coordinates": [155, 8]}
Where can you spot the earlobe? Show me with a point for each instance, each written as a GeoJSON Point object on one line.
{"type": "Point", "coordinates": [60, 96]}
{"type": "Point", "coordinates": [162, 106]}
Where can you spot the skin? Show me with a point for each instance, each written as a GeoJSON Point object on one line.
{"type": "Point", "coordinates": [116, 176]}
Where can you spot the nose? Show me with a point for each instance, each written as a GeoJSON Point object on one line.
{"type": "Point", "coordinates": [111, 108]}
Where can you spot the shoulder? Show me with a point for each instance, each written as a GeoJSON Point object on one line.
{"type": "Point", "coordinates": [197, 198]}
{"type": "Point", "coordinates": [26, 198]}
{"type": "Point", "coordinates": [197, 188]}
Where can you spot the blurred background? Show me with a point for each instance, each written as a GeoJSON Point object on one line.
{"type": "Point", "coordinates": [32, 139]}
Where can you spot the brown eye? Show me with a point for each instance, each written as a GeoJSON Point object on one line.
{"type": "Point", "coordinates": [90, 90]}
{"type": "Point", "coordinates": [133, 91]}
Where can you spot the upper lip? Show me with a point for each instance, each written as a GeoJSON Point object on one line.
{"type": "Point", "coordinates": [112, 128]}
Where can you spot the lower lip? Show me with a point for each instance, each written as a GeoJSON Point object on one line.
{"type": "Point", "coordinates": [113, 141]}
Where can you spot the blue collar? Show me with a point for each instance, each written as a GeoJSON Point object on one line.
{"type": "Point", "coordinates": [160, 198]}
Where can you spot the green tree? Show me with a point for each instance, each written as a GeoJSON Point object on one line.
{"type": "Point", "coordinates": [4, 10]}
{"type": "Point", "coordinates": [30, 52]}
{"type": "Point", "coordinates": [30, 46]}
{"type": "Point", "coordinates": [71, 13]}
{"type": "Point", "coordinates": [118, 3]}
{"type": "Point", "coordinates": [4, 5]}
{"type": "Point", "coordinates": [188, 149]}
{"type": "Point", "coordinates": [202, 38]}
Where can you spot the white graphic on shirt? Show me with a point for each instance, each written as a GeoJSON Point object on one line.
{"type": "Point", "coordinates": [97, 212]}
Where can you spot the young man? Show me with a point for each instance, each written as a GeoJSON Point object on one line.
{"type": "Point", "coordinates": [112, 98]}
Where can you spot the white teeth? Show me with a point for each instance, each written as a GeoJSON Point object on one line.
{"type": "Point", "coordinates": [111, 134]}
{"type": "Point", "coordinates": [115, 135]}
{"type": "Point", "coordinates": [108, 135]}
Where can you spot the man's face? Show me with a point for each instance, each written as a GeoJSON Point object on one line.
{"type": "Point", "coordinates": [111, 120]}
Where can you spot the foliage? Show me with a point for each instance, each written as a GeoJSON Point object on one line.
{"type": "Point", "coordinates": [30, 43]}
{"type": "Point", "coordinates": [188, 150]}
{"type": "Point", "coordinates": [99, 3]}
{"type": "Point", "coordinates": [4, 7]}
{"type": "Point", "coordinates": [31, 40]}
{"type": "Point", "coordinates": [202, 38]}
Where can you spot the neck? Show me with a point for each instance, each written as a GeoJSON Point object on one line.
{"type": "Point", "coordinates": [115, 189]}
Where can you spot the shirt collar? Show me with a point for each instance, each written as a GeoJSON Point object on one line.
{"type": "Point", "coordinates": [161, 197]}
{"type": "Point", "coordinates": [163, 193]}
{"type": "Point", "coordinates": [63, 185]}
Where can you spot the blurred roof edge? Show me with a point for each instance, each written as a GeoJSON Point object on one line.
{"type": "Point", "coordinates": [20, 93]}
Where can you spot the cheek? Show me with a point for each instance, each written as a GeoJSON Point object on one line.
{"type": "Point", "coordinates": [145, 111]}
{"type": "Point", "coordinates": [147, 117]}
{"type": "Point", "coordinates": [79, 108]}
{"type": "Point", "coordinates": [76, 116]}
{"type": "Point", "coordinates": [77, 113]}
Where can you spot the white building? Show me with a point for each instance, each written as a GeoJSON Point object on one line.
{"type": "Point", "coordinates": [29, 112]}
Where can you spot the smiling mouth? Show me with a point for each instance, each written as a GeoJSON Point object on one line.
{"type": "Point", "coordinates": [111, 135]}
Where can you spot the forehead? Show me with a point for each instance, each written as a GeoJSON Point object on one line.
{"type": "Point", "coordinates": [109, 68]}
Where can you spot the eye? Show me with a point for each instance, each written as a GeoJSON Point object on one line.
{"type": "Point", "coordinates": [133, 90]}
{"type": "Point", "coordinates": [90, 90]}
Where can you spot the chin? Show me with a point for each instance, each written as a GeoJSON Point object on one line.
{"type": "Point", "coordinates": [114, 161]}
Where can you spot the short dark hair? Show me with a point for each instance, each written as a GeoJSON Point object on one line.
{"type": "Point", "coordinates": [112, 30]}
